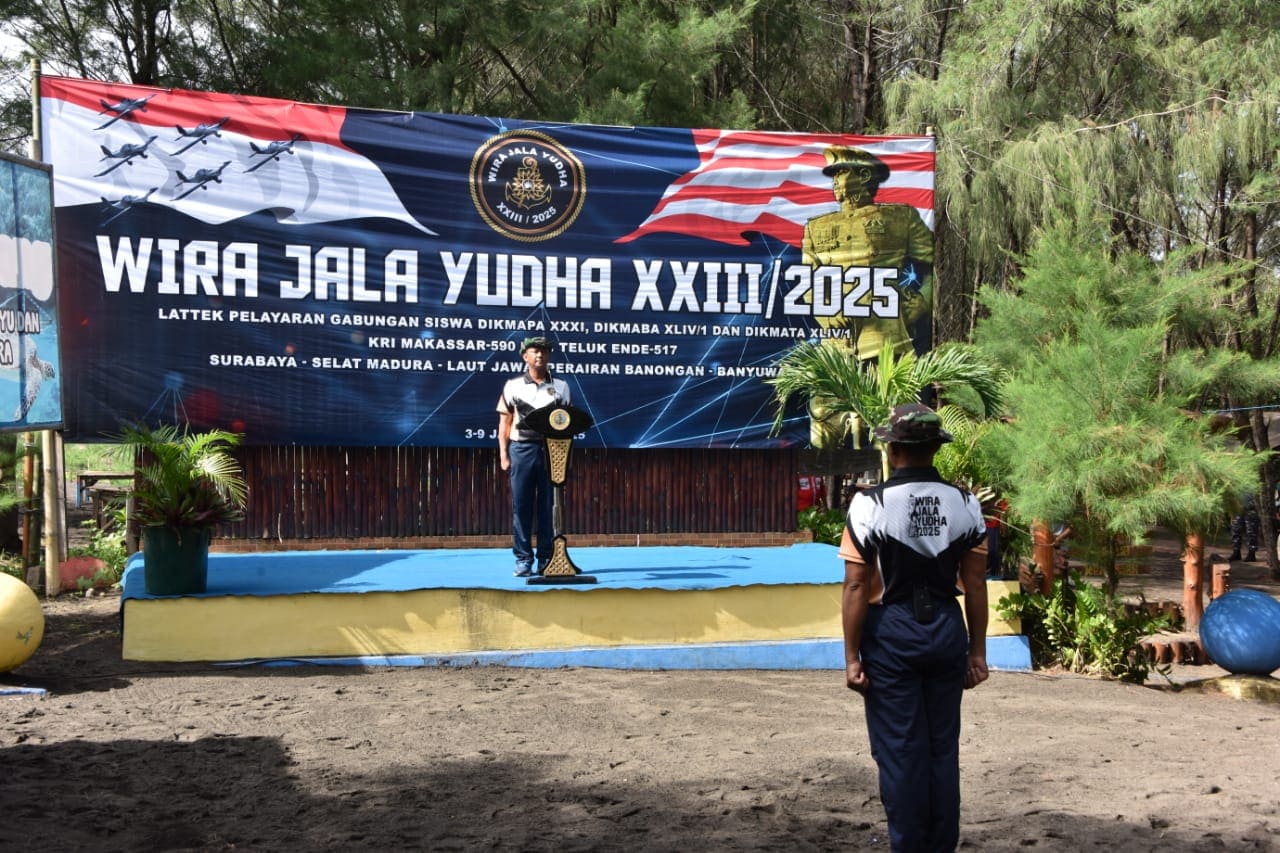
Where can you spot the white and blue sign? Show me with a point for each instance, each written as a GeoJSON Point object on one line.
{"type": "Point", "coordinates": [30, 366]}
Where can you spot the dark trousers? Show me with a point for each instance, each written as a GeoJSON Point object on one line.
{"type": "Point", "coordinates": [1244, 531]}
{"type": "Point", "coordinates": [913, 720]}
{"type": "Point", "coordinates": [530, 498]}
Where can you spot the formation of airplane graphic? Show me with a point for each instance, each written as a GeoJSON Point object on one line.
{"type": "Point", "coordinates": [122, 109]}
{"type": "Point", "coordinates": [200, 133]}
{"type": "Point", "coordinates": [272, 151]}
{"type": "Point", "coordinates": [124, 204]}
{"type": "Point", "coordinates": [197, 135]}
{"type": "Point", "coordinates": [124, 155]}
{"type": "Point", "coordinates": [201, 179]}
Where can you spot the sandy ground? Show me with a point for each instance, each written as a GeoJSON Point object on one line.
{"type": "Point", "coordinates": [119, 755]}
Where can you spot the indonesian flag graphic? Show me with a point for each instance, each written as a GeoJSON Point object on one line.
{"type": "Point", "coordinates": [758, 182]}
{"type": "Point", "coordinates": [214, 157]}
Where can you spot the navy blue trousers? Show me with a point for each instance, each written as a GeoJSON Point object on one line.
{"type": "Point", "coordinates": [913, 719]}
{"type": "Point", "coordinates": [531, 499]}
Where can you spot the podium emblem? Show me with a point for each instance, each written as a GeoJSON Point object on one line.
{"type": "Point", "coordinates": [558, 425]}
{"type": "Point", "coordinates": [559, 419]}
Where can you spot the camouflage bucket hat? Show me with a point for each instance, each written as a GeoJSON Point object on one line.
{"type": "Point", "coordinates": [913, 423]}
{"type": "Point", "coordinates": [537, 341]}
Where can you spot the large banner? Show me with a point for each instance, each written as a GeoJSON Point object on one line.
{"type": "Point", "coordinates": [317, 275]}
{"type": "Point", "coordinates": [30, 367]}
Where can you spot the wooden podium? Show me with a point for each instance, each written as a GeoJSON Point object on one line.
{"type": "Point", "coordinates": [558, 424]}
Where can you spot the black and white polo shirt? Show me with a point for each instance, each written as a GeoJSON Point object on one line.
{"type": "Point", "coordinates": [521, 395]}
{"type": "Point", "coordinates": [913, 529]}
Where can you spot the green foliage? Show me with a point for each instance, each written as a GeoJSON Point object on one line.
{"type": "Point", "coordinates": [1015, 548]}
{"type": "Point", "coordinates": [639, 62]}
{"type": "Point", "coordinates": [1083, 628]}
{"type": "Point", "coordinates": [108, 546]}
{"type": "Point", "coordinates": [768, 64]}
{"type": "Point", "coordinates": [11, 564]}
{"type": "Point", "coordinates": [1105, 431]}
{"type": "Point", "coordinates": [186, 479]}
{"type": "Point", "coordinates": [833, 378]}
{"type": "Point", "coordinates": [12, 450]}
{"type": "Point", "coordinates": [1159, 116]}
{"type": "Point", "coordinates": [96, 457]}
{"type": "Point", "coordinates": [966, 460]}
{"type": "Point", "coordinates": [827, 525]}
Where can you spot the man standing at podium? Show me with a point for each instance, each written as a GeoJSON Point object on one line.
{"type": "Point", "coordinates": [521, 453]}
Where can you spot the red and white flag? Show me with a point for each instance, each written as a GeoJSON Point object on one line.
{"type": "Point", "coordinates": [214, 157]}
{"type": "Point", "coordinates": [759, 182]}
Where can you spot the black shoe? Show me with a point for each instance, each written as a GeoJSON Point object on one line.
{"type": "Point", "coordinates": [542, 568]}
{"type": "Point", "coordinates": [1235, 555]}
{"type": "Point", "coordinates": [1252, 557]}
{"type": "Point", "coordinates": [524, 573]}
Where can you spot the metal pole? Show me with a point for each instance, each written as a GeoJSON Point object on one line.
{"type": "Point", "coordinates": [37, 135]}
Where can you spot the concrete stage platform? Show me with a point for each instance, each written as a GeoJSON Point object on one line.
{"type": "Point", "coordinates": [652, 608]}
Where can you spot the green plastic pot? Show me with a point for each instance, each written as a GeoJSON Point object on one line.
{"type": "Point", "coordinates": [175, 562]}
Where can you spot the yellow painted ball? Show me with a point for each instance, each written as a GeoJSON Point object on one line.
{"type": "Point", "coordinates": [21, 622]}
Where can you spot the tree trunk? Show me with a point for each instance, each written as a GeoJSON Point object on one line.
{"type": "Point", "coordinates": [1110, 569]}
{"type": "Point", "coordinates": [28, 491]}
{"type": "Point", "coordinates": [1043, 553]}
{"type": "Point", "coordinates": [1193, 581]}
{"type": "Point", "coordinates": [943, 14]}
{"type": "Point", "coordinates": [1266, 500]}
{"type": "Point", "coordinates": [861, 85]}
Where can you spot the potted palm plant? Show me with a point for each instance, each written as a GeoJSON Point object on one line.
{"type": "Point", "coordinates": [185, 484]}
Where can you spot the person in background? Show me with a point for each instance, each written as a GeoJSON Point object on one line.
{"type": "Point", "coordinates": [1244, 529]}
{"type": "Point", "coordinates": [995, 527]}
{"type": "Point", "coordinates": [906, 544]}
{"type": "Point", "coordinates": [522, 454]}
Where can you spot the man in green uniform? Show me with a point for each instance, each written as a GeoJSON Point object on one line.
{"type": "Point", "coordinates": [863, 234]}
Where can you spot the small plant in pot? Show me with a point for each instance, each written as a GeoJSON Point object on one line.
{"type": "Point", "coordinates": [185, 485]}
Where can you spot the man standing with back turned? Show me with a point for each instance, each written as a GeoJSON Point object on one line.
{"type": "Point", "coordinates": [521, 452]}
{"type": "Point", "coordinates": [906, 542]}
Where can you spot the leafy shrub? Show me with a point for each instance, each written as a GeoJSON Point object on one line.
{"type": "Point", "coordinates": [827, 525]}
{"type": "Point", "coordinates": [11, 564]}
{"type": "Point", "coordinates": [108, 546]}
{"type": "Point", "coordinates": [1083, 628]}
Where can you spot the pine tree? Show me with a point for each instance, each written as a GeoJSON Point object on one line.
{"type": "Point", "coordinates": [1106, 432]}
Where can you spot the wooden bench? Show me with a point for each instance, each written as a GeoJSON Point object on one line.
{"type": "Point", "coordinates": [86, 480]}
{"type": "Point", "coordinates": [104, 489]}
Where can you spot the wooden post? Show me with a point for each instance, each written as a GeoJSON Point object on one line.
{"type": "Point", "coordinates": [131, 543]}
{"type": "Point", "coordinates": [1193, 582]}
{"type": "Point", "coordinates": [52, 498]}
{"type": "Point", "coordinates": [1221, 580]}
{"type": "Point", "coordinates": [1043, 553]}
{"type": "Point", "coordinates": [28, 499]}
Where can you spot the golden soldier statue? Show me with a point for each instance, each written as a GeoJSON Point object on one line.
{"type": "Point", "coordinates": [865, 234]}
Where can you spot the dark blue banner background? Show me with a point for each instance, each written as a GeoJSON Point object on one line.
{"type": "Point", "coordinates": [176, 310]}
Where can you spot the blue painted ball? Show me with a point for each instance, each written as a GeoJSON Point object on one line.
{"type": "Point", "coordinates": [1240, 631]}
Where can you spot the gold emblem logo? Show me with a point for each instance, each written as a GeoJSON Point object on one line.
{"type": "Point", "coordinates": [559, 420]}
{"type": "Point", "coordinates": [527, 186]}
